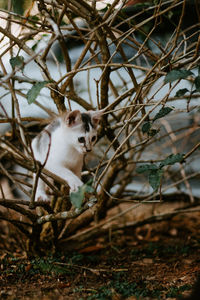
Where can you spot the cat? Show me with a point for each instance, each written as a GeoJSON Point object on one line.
{"type": "Point", "coordinates": [61, 147]}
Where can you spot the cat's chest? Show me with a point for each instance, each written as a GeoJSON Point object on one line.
{"type": "Point", "coordinates": [74, 163]}
{"type": "Point", "coordinates": [62, 152]}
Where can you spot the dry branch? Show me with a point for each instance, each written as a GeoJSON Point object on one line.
{"type": "Point", "coordinates": [125, 60]}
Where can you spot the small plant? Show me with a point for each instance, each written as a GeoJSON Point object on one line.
{"type": "Point", "coordinates": [155, 172]}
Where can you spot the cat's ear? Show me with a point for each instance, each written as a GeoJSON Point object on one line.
{"type": "Point", "coordinates": [96, 116]}
{"type": "Point", "coordinates": [73, 118]}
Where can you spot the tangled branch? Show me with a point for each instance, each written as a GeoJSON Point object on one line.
{"type": "Point", "coordinates": [140, 63]}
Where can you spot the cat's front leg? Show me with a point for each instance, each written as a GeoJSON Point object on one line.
{"type": "Point", "coordinates": [74, 183]}
{"type": "Point", "coordinates": [72, 179]}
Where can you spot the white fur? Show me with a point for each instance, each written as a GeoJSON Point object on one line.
{"type": "Point", "coordinates": [63, 153]}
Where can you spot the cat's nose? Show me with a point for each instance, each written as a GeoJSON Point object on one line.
{"type": "Point", "coordinates": [88, 150]}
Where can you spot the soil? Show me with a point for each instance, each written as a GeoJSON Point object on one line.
{"type": "Point", "coordinates": [157, 261]}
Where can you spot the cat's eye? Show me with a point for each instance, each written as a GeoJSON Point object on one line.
{"type": "Point", "coordinates": [93, 138]}
{"type": "Point", "coordinates": [81, 140]}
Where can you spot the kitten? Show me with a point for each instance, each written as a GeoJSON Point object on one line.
{"type": "Point", "coordinates": [61, 146]}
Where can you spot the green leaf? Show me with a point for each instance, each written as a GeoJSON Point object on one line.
{"type": "Point", "coordinates": [162, 112]}
{"type": "Point", "coordinates": [88, 188]}
{"type": "Point", "coordinates": [155, 178]}
{"type": "Point", "coordinates": [77, 198]}
{"type": "Point", "coordinates": [146, 168]}
{"type": "Point", "coordinates": [181, 92]}
{"type": "Point", "coordinates": [34, 91]}
{"type": "Point", "coordinates": [197, 83]}
{"type": "Point", "coordinates": [17, 61]}
{"type": "Point", "coordinates": [146, 127]}
{"type": "Point", "coordinates": [177, 74]}
{"type": "Point", "coordinates": [172, 159]}
{"type": "Point", "coordinates": [153, 132]}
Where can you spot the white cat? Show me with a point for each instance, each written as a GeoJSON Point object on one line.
{"type": "Point", "coordinates": [62, 146]}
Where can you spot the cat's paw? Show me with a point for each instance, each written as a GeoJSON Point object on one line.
{"type": "Point", "coordinates": [74, 189]}
{"type": "Point", "coordinates": [74, 185]}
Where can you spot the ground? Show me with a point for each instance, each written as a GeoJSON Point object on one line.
{"type": "Point", "coordinates": [157, 261]}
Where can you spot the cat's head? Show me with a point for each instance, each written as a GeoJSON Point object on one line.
{"type": "Point", "coordinates": [82, 129]}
